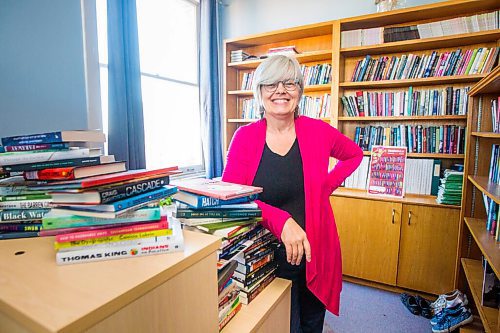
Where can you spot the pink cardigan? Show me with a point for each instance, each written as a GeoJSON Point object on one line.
{"type": "Point", "coordinates": [317, 142]}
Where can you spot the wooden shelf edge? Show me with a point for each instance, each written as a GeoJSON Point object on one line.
{"type": "Point", "coordinates": [415, 199]}
{"type": "Point", "coordinates": [489, 84]}
{"type": "Point", "coordinates": [423, 44]}
{"type": "Point", "coordinates": [483, 185]}
{"type": "Point", "coordinates": [428, 81]}
{"type": "Point", "coordinates": [488, 135]}
{"type": "Point", "coordinates": [404, 118]}
{"type": "Point", "coordinates": [474, 274]}
{"type": "Point", "coordinates": [486, 242]}
{"type": "Point", "coordinates": [301, 58]}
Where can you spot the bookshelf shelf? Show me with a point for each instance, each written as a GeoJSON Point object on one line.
{"type": "Point", "coordinates": [429, 81]}
{"type": "Point", "coordinates": [301, 57]}
{"type": "Point", "coordinates": [490, 84]}
{"type": "Point", "coordinates": [307, 89]}
{"type": "Point", "coordinates": [489, 135]}
{"type": "Point", "coordinates": [428, 155]}
{"type": "Point", "coordinates": [474, 273]}
{"type": "Point", "coordinates": [485, 241]}
{"type": "Point", "coordinates": [424, 44]}
{"type": "Point", "coordinates": [405, 118]}
{"type": "Point", "coordinates": [491, 190]}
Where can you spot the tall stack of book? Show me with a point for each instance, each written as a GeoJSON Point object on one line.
{"type": "Point", "coordinates": [450, 190]}
{"type": "Point", "coordinates": [245, 264]}
{"type": "Point", "coordinates": [38, 157]}
{"type": "Point", "coordinates": [239, 55]}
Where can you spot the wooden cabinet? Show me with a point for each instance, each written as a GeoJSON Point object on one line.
{"type": "Point", "coordinates": [427, 249]}
{"type": "Point", "coordinates": [369, 237]}
{"type": "Point", "coordinates": [476, 242]}
{"type": "Point", "coordinates": [397, 243]}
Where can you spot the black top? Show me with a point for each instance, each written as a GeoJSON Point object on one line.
{"type": "Point", "coordinates": [282, 179]}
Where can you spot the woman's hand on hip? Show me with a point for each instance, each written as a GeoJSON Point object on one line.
{"type": "Point", "coordinates": [295, 240]}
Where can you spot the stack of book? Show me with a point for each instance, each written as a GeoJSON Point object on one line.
{"type": "Point", "coordinates": [245, 264]}
{"type": "Point", "coordinates": [450, 190]}
{"type": "Point", "coordinates": [396, 34]}
{"type": "Point", "coordinates": [38, 157]}
{"type": "Point", "coordinates": [238, 55]}
{"type": "Point", "coordinates": [285, 50]}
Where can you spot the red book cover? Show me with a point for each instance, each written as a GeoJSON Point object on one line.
{"type": "Point", "coordinates": [72, 173]}
{"type": "Point", "coordinates": [387, 171]}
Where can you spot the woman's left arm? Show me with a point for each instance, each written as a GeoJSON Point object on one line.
{"type": "Point", "coordinates": [348, 155]}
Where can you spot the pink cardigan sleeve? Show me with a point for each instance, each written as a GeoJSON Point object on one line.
{"type": "Point", "coordinates": [349, 156]}
{"type": "Point", "coordinates": [240, 168]}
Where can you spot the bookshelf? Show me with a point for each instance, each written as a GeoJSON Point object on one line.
{"type": "Point", "coordinates": [405, 250]}
{"type": "Point", "coordinates": [475, 241]}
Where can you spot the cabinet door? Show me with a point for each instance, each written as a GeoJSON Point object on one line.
{"type": "Point", "coordinates": [428, 248]}
{"type": "Point", "coordinates": [369, 237]}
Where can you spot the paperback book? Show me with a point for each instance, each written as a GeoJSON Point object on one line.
{"type": "Point", "coordinates": [216, 188]}
{"type": "Point", "coordinates": [387, 171]}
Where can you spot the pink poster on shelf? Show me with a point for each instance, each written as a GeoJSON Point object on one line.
{"type": "Point", "coordinates": [387, 171]}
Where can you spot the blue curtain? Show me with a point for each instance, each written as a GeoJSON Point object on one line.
{"type": "Point", "coordinates": [209, 89]}
{"type": "Point", "coordinates": [126, 123]}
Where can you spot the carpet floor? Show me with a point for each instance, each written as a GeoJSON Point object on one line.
{"type": "Point", "coordinates": [369, 310]}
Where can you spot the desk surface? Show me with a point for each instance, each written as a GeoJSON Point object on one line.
{"type": "Point", "coordinates": [47, 297]}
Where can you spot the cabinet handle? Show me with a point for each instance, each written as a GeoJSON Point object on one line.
{"type": "Point", "coordinates": [409, 217]}
{"type": "Point", "coordinates": [393, 211]}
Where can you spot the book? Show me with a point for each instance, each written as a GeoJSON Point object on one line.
{"type": "Point", "coordinates": [110, 193]}
{"type": "Point", "coordinates": [17, 215]}
{"type": "Point", "coordinates": [387, 171]}
{"type": "Point", "coordinates": [224, 274]}
{"type": "Point", "coordinates": [202, 201]}
{"type": "Point", "coordinates": [45, 156]}
{"type": "Point", "coordinates": [19, 234]}
{"type": "Point", "coordinates": [44, 146]}
{"type": "Point", "coordinates": [60, 163]}
{"type": "Point", "coordinates": [78, 172]}
{"type": "Point", "coordinates": [216, 188]}
{"type": "Point", "coordinates": [112, 231]}
{"type": "Point", "coordinates": [146, 247]}
{"type": "Point", "coordinates": [490, 295]}
{"type": "Point", "coordinates": [53, 220]}
{"type": "Point", "coordinates": [103, 179]}
{"type": "Point", "coordinates": [128, 202]}
{"type": "Point", "coordinates": [55, 137]}
{"type": "Point", "coordinates": [17, 226]}
{"type": "Point", "coordinates": [217, 213]}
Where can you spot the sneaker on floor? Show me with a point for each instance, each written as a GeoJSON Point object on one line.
{"type": "Point", "coordinates": [449, 302]}
{"type": "Point", "coordinates": [445, 312]}
{"type": "Point", "coordinates": [451, 322]}
{"type": "Point", "coordinates": [451, 294]}
{"type": "Point", "coordinates": [411, 303]}
{"type": "Point", "coordinates": [425, 307]}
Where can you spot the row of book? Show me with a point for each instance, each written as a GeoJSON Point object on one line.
{"type": "Point", "coordinates": [311, 106]}
{"type": "Point", "coordinates": [423, 102]}
{"type": "Point", "coordinates": [450, 188]}
{"type": "Point", "coordinates": [421, 176]}
{"type": "Point", "coordinates": [445, 139]}
{"type": "Point", "coordinates": [457, 25]}
{"type": "Point", "coordinates": [246, 257]}
{"type": "Point", "coordinates": [315, 106]}
{"type": "Point", "coordinates": [437, 64]}
{"type": "Point", "coordinates": [494, 168]}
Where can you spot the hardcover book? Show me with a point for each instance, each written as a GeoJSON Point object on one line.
{"type": "Point", "coordinates": [84, 161]}
{"type": "Point", "coordinates": [70, 173]}
{"type": "Point", "coordinates": [216, 188]}
{"type": "Point", "coordinates": [202, 201]}
{"type": "Point", "coordinates": [55, 137]}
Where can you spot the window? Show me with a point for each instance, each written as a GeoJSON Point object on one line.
{"type": "Point", "coordinates": [168, 47]}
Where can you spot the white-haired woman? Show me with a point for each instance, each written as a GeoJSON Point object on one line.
{"type": "Point", "coordinates": [288, 155]}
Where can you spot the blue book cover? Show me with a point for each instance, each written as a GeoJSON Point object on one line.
{"type": "Point", "coordinates": [130, 202]}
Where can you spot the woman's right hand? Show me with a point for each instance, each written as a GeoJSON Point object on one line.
{"type": "Point", "coordinates": [295, 240]}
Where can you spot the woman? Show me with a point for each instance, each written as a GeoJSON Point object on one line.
{"type": "Point", "coordinates": [288, 155]}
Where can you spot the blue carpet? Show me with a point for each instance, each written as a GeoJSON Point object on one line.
{"type": "Point", "coordinates": [370, 310]}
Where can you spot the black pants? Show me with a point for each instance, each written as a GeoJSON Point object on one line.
{"type": "Point", "coordinates": [307, 313]}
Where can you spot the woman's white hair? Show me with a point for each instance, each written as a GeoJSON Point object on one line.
{"type": "Point", "coordinates": [274, 69]}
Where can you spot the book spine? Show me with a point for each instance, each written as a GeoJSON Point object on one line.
{"type": "Point", "coordinates": [18, 234]}
{"type": "Point", "coordinates": [117, 252]}
{"type": "Point", "coordinates": [86, 161]}
{"type": "Point", "coordinates": [15, 215]}
{"type": "Point", "coordinates": [26, 204]}
{"type": "Point", "coordinates": [113, 194]}
{"type": "Point", "coordinates": [143, 198]}
{"type": "Point", "coordinates": [51, 174]}
{"type": "Point", "coordinates": [112, 240]}
{"type": "Point", "coordinates": [35, 157]}
{"type": "Point", "coordinates": [7, 198]}
{"type": "Point", "coordinates": [54, 146]}
{"type": "Point", "coordinates": [216, 214]}
{"type": "Point", "coordinates": [52, 137]}
{"type": "Point", "coordinates": [77, 236]}
{"type": "Point", "coordinates": [17, 227]}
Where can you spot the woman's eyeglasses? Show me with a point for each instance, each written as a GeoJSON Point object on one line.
{"type": "Point", "coordinates": [289, 85]}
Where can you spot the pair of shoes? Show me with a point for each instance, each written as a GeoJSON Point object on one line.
{"type": "Point", "coordinates": [450, 300]}
{"type": "Point", "coordinates": [417, 305]}
{"type": "Point", "coordinates": [452, 319]}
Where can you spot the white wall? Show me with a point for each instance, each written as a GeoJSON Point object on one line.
{"type": "Point", "coordinates": [246, 17]}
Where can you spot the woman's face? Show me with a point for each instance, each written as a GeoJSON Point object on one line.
{"type": "Point", "coordinates": [280, 99]}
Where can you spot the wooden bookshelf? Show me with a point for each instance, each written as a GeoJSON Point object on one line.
{"type": "Point", "coordinates": [429, 81]}
{"type": "Point", "coordinates": [404, 118]}
{"type": "Point", "coordinates": [475, 242]}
